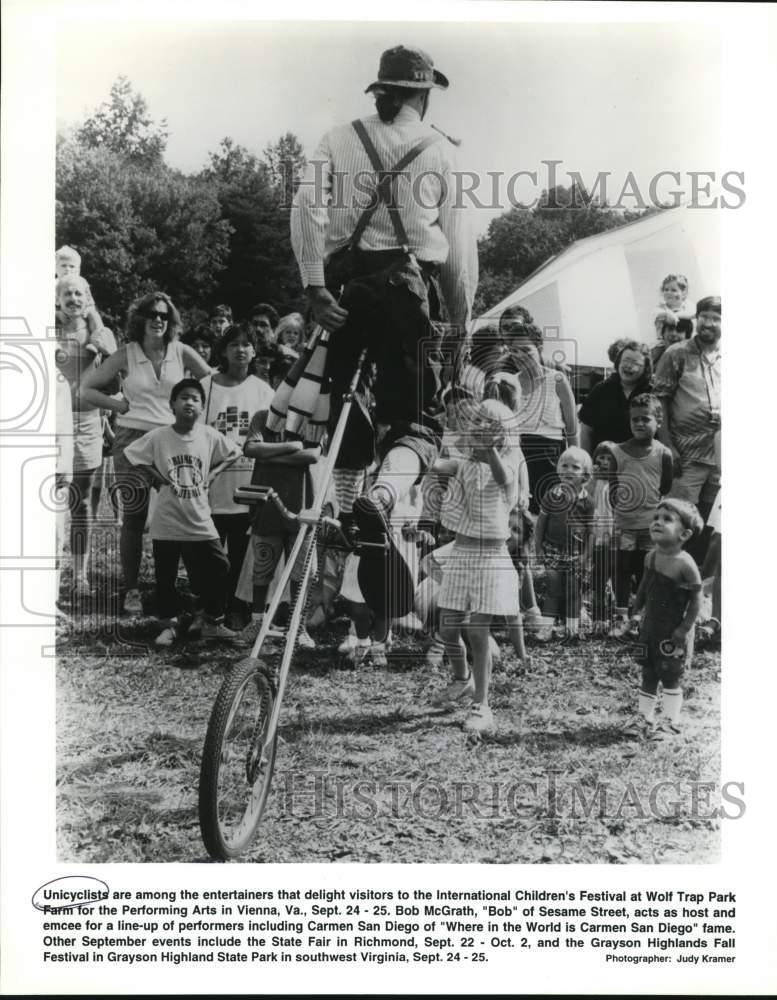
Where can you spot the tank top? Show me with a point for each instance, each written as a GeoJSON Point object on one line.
{"type": "Point", "coordinates": [540, 410]}
{"type": "Point", "coordinates": [638, 491]}
{"type": "Point", "coordinates": [149, 396]}
{"type": "Point", "coordinates": [666, 601]}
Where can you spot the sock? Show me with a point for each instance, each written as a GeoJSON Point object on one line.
{"type": "Point", "coordinates": [671, 704]}
{"type": "Point", "coordinates": [348, 485]}
{"type": "Point", "coordinates": [647, 706]}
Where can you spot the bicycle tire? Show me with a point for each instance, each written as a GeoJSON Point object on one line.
{"type": "Point", "coordinates": [234, 779]}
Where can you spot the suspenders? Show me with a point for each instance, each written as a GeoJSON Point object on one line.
{"type": "Point", "coordinates": [384, 190]}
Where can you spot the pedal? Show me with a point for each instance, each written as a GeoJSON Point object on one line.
{"type": "Point", "coordinates": [253, 494]}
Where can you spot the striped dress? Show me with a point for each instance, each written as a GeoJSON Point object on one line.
{"type": "Point", "coordinates": [480, 576]}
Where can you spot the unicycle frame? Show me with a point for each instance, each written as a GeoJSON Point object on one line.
{"type": "Point", "coordinates": [309, 522]}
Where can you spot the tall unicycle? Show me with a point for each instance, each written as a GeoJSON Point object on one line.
{"type": "Point", "coordinates": [238, 757]}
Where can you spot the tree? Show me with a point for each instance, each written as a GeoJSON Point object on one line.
{"type": "Point", "coordinates": [261, 264]}
{"type": "Point", "coordinates": [286, 163]}
{"type": "Point", "coordinates": [123, 125]}
{"type": "Point", "coordinates": [138, 226]}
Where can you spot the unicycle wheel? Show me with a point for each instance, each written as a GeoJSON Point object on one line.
{"type": "Point", "coordinates": [237, 761]}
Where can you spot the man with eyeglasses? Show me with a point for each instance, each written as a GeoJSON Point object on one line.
{"type": "Point", "coordinates": [688, 385]}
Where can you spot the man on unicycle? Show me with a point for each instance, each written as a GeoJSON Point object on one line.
{"type": "Point", "coordinates": [382, 244]}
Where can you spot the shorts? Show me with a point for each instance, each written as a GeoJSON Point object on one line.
{"type": "Point", "coordinates": [267, 550]}
{"type": "Point", "coordinates": [121, 466]}
{"type": "Point", "coordinates": [87, 440]}
{"type": "Point", "coordinates": [698, 483]}
{"type": "Point", "coordinates": [480, 578]}
{"type": "Point", "coordinates": [657, 666]}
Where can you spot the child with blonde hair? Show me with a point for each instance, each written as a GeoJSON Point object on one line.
{"type": "Point", "coordinates": [563, 536]}
{"type": "Point", "coordinates": [674, 318]}
{"type": "Point", "coordinates": [479, 578]}
{"type": "Point", "coordinates": [67, 265]}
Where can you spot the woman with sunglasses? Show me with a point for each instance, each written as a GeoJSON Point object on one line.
{"type": "Point", "coordinates": [151, 362]}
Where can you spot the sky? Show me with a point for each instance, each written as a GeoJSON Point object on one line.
{"type": "Point", "coordinates": [615, 97]}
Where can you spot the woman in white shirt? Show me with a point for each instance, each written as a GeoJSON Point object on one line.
{"type": "Point", "coordinates": [151, 362]}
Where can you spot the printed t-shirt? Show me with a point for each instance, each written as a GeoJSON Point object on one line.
{"type": "Point", "coordinates": [182, 512]}
{"type": "Point", "coordinates": [229, 409]}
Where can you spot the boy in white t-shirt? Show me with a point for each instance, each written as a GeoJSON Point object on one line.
{"type": "Point", "coordinates": [182, 458]}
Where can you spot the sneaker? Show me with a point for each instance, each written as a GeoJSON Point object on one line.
{"type": "Point", "coordinates": [378, 652]}
{"type": "Point", "coordinates": [664, 730]}
{"type": "Point", "coordinates": [214, 628]}
{"type": "Point", "coordinates": [455, 691]}
{"type": "Point", "coordinates": [385, 579]}
{"type": "Point", "coordinates": [357, 655]}
{"type": "Point", "coordinates": [479, 720]}
{"type": "Point", "coordinates": [132, 602]}
{"type": "Point", "coordinates": [348, 643]}
{"type": "Point", "coordinates": [305, 640]}
{"type": "Point", "coordinates": [194, 627]}
{"type": "Point", "coordinates": [167, 636]}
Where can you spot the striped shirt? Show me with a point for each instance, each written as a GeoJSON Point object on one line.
{"type": "Point", "coordinates": [689, 380]}
{"type": "Point", "coordinates": [340, 182]}
{"type": "Point", "coordinates": [476, 505]}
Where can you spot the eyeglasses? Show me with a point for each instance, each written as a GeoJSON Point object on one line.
{"type": "Point", "coordinates": [156, 314]}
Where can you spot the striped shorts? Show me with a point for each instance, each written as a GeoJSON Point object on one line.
{"type": "Point", "coordinates": [480, 578]}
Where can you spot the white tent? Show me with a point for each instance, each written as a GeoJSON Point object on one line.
{"type": "Point", "coordinates": [608, 286]}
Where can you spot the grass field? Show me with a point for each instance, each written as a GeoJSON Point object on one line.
{"type": "Point", "coordinates": [367, 771]}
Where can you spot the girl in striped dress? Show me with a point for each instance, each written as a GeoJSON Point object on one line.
{"type": "Point", "coordinates": [479, 577]}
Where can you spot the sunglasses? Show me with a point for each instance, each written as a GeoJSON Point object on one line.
{"type": "Point", "coordinates": [156, 314]}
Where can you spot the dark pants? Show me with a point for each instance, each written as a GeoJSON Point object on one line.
{"type": "Point", "coordinates": [628, 564]}
{"type": "Point", "coordinates": [234, 537]}
{"type": "Point", "coordinates": [390, 306]}
{"type": "Point", "coordinates": [206, 566]}
{"type": "Point", "coordinates": [541, 456]}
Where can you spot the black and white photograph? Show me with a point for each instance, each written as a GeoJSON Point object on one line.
{"type": "Point", "coordinates": [364, 479]}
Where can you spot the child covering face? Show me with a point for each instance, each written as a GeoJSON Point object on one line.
{"type": "Point", "coordinates": [479, 578]}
